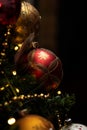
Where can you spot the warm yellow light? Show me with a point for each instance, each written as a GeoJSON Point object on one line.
{"type": "Point", "coordinates": [2, 88]}
{"type": "Point", "coordinates": [4, 43]}
{"type": "Point", "coordinates": [16, 48]}
{"type": "Point", "coordinates": [5, 34]}
{"type": "Point", "coordinates": [41, 94]}
{"type": "Point", "coordinates": [28, 96]}
{"type": "Point", "coordinates": [5, 103]}
{"type": "Point", "coordinates": [3, 54]}
{"type": "Point", "coordinates": [14, 72]}
{"type": "Point", "coordinates": [19, 45]}
{"type": "Point", "coordinates": [14, 98]}
{"type": "Point", "coordinates": [21, 96]}
{"type": "Point", "coordinates": [17, 90]}
{"type": "Point", "coordinates": [11, 121]}
{"type": "Point", "coordinates": [8, 33]}
{"type": "Point", "coordinates": [59, 92]}
{"type": "Point", "coordinates": [7, 85]}
{"type": "Point", "coordinates": [2, 72]}
{"type": "Point", "coordinates": [35, 95]}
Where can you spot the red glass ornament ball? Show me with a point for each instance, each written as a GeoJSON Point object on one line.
{"type": "Point", "coordinates": [45, 66]}
{"type": "Point", "coordinates": [9, 11]}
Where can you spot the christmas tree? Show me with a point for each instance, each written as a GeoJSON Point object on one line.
{"type": "Point", "coordinates": [30, 75]}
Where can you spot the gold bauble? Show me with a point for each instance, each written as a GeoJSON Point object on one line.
{"type": "Point", "coordinates": [33, 122]}
{"type": "Point", "coordinates": [28, 22]}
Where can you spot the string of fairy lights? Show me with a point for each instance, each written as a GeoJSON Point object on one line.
{"type": "Point", "coordinates": [3, 58]}
{"type": "Point", "coordinates": [22, 97]}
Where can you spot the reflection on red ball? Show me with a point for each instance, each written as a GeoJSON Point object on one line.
{"type": "Point", "coordinates": [44, 65]}
{"type": "Point", "coordinates": [9, 11]}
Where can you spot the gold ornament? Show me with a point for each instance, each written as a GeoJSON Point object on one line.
{"type": "Point", "coordinates": [28, 22]}
{"type": "Point", "coordinates": [33, 122]}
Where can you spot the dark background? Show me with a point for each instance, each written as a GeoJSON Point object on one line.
{"type": "Point", "coordinates": [72, 52]}
{"type": "Point", "coordinates": [63, 31]}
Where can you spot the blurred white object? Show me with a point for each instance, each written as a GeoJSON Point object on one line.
{"type": "Point", "coordinates": [74, 126]}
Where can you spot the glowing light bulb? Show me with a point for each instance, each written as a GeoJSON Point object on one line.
{"type": "Point", "coordinates": [14, 73]}
{"type": "Point", "coordinates": [17, 90]}
{"type": "Point", "coordinates": [11, 120]}
{"type": "Point", "coordinates": [16, 48]}
{"type": "Point", "coordinates": [59, 92]}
